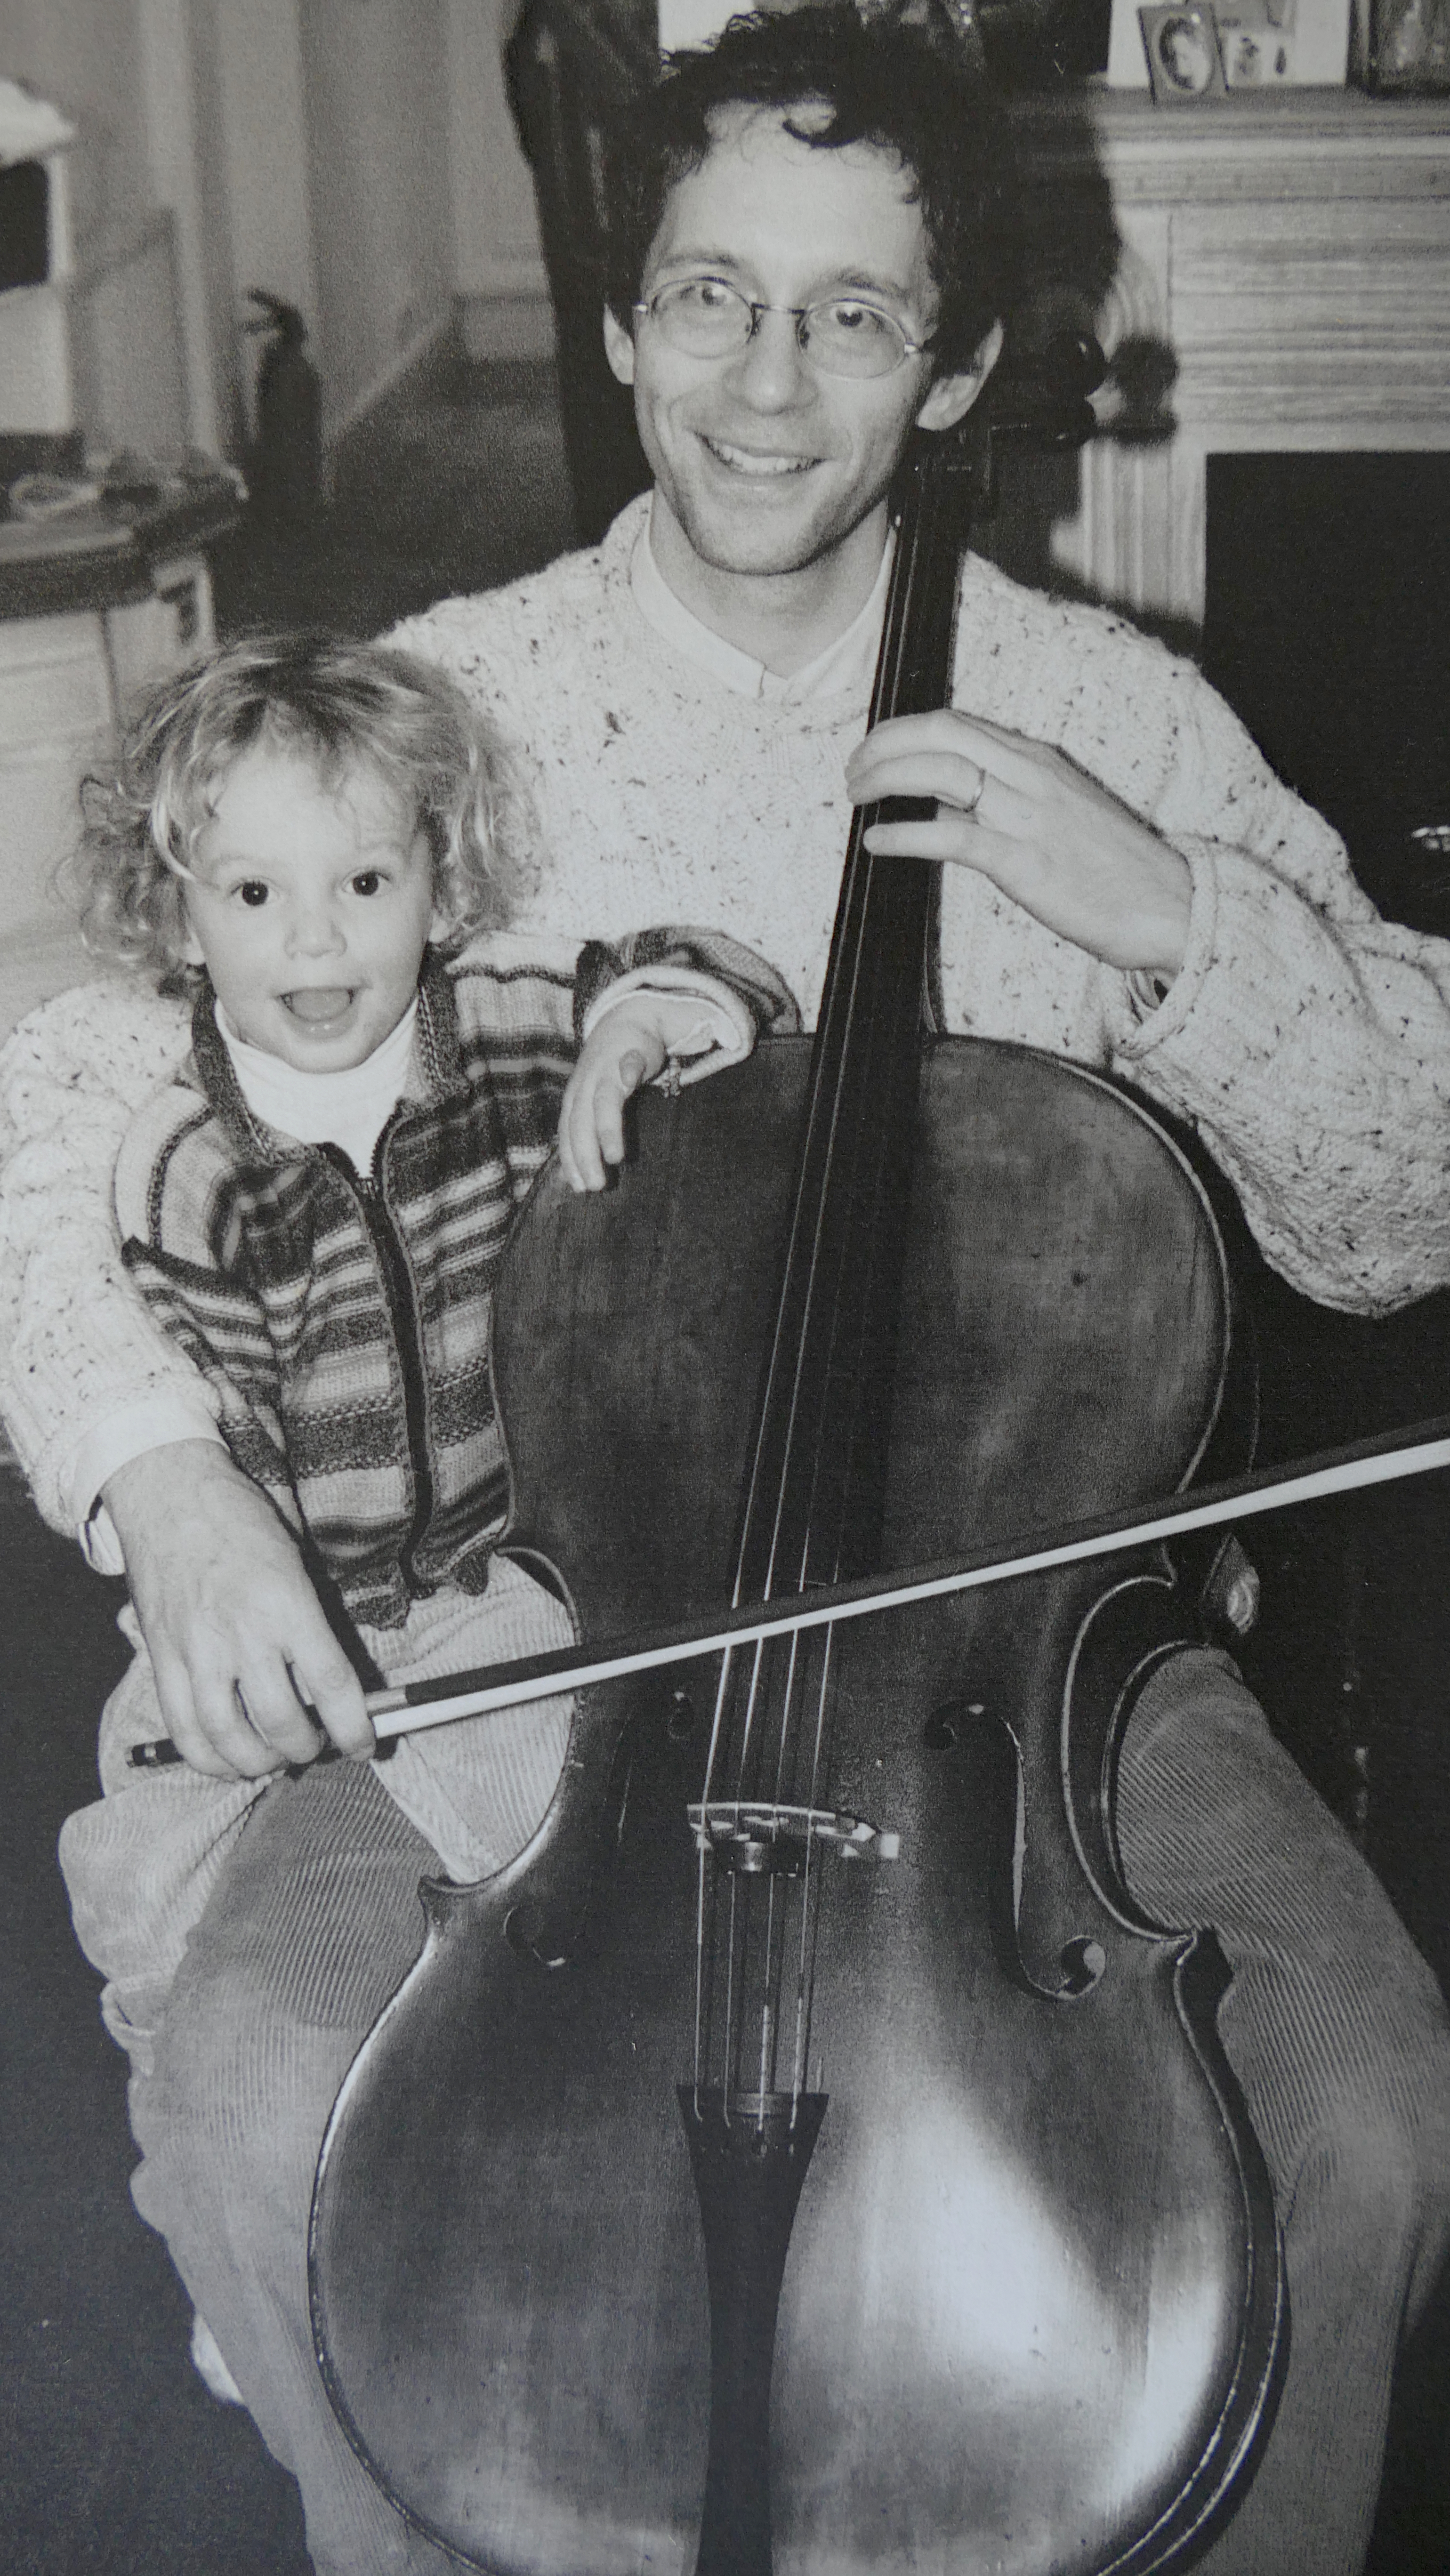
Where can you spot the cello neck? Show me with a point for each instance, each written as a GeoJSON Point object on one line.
{"type": "Point", "coordinates": [815, 1492]}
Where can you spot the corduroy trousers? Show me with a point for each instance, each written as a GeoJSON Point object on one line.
{"type": "Point", "coordinates": [1333, 2023]}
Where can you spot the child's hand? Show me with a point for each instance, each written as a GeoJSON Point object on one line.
{"type": "Point", "coordinates": [623, 1049]}
{"type": "Point", "coordinates": [631, 1041]}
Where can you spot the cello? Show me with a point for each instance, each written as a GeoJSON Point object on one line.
{"type": "Point", "coordinates": [804, 2156]}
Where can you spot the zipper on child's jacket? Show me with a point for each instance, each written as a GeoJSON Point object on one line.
{"type": "Point", "coordinates": [402, 1306]}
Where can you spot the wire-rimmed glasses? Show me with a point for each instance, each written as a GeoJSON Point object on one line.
{"type": "Point", "coordinates": [705, 317]}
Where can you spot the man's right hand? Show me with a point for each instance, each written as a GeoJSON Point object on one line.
{"type": "Point", "coordinates": [236, 1633]}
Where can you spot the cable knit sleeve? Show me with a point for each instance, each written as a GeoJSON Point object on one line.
{"type": "Point", "coordinates": [77, 1347]}
{"type": "Point", "coordinates": [1306, 1038]}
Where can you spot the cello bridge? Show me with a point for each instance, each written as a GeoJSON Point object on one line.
{"type": "Point", "coordinates": [768, 1841]}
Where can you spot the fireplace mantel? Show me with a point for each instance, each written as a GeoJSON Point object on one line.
{"type": "Point", "coordinates": [1293, 253]}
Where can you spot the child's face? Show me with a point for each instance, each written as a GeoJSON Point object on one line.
{"type": "Point", "coordinates": [312, 907]}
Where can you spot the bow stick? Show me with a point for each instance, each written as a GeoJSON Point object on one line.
{"type": "Point", "coordinates": [406, 1710]}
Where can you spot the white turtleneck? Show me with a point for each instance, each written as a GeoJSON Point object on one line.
{"type": "Point", "coordinates": [349, 1109]}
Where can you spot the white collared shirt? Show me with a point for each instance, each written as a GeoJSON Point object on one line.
{"type": "Point", "coordinates": [847, 664]}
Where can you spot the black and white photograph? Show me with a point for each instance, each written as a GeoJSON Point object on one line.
{"type": "Point", "coordinates": [724, 1281]}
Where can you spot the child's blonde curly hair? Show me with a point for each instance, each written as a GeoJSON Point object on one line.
{"type": "Point", "coordinates": [325, 701]}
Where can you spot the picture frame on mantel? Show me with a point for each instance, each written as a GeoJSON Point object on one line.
{"type": "Point", "coordinates": [1409, 47]}
{"type": "Point", "coordinates": [1260, 44]}
{"type": "Point", "coordinates": [1181, 44]}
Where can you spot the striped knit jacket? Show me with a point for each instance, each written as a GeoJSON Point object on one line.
{"type": "Point", "coordinates": [341, 1319]}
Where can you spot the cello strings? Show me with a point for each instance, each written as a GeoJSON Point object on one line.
{"type": "Point", "coordinates": [807, 1266]}
{"type": "Point", "coordinates": [784, 1733]}
{"type": "Point", "coordinates": [834, 1033]}
{"type": "Point", "coordinates": [847, 1127]}
{"type": "Point", "coordinates": [774, 1363]}
{"type": "Point", "coordinates": [851, 1123]}
{"type": "Point", "coordinates": [777, 1894]}
{"type": "Point", "coordinates": [751, 1939]}
{"type": "Point", "coordinates": [810, 1893]}
{"type": "Point", "coordinates": [706, 1909]}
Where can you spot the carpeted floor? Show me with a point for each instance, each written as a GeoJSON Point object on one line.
{"type": "Point", "coordinates": [116, 2460]}
{"type": "Point", "coordinates": [455, 482]}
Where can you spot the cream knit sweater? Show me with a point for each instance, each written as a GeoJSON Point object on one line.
{"type": "Point", "coordinates": [1306, 1039]}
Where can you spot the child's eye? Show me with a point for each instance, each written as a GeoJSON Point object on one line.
{"type": "Point", "coordinates": [253, 892]}
{"type": "Point", "coordinates": [367, 881]}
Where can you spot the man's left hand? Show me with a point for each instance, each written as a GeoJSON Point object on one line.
{"type": "Point", "coordinates": [1032, 821]}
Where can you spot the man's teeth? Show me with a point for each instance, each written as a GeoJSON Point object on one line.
{"type": "Point", "coordinates": [746, 461]}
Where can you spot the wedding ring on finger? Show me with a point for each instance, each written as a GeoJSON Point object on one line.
{"type": "Point", "coordinates": [974, 800]}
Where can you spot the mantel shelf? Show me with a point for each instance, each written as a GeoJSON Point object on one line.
{"type": "Point", "coordinates": [1293, 255]}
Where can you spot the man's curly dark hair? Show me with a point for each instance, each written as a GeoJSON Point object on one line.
{"type": "Point", "coordinates": [883, 82]}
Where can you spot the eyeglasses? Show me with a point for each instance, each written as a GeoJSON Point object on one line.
{"type": "Point", "coordinates": [702, 317]}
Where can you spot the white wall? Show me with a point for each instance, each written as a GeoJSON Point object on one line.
{"type": "Point", "coordinates": [497, 264]}
{"type": "Point", "coordinates": [375, 78]}
{"type": "Point", "coordinates": [85, 55]}
{"type": "Point", "coordinates": [264, 150]}
{"type": "Point", "coordinates": [177, 40]}
{"type": "Point", "coordinates": [124, 71]}
{"type": "Point", "coordinates": [354, 156]}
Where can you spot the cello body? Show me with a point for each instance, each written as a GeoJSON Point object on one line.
{"type": "Point", "coordinates": [803, 2155]}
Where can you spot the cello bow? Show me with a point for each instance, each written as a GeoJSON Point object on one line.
{"type": "Point", "coordinates": [1386, 1458]}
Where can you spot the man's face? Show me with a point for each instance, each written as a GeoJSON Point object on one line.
{"type": "Point", "coordinates": [766, 464]}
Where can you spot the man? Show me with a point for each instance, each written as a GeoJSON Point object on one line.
{"type": "Point", "coordinates": [814, 243]}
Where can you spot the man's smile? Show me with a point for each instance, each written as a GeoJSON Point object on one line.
{"type": "Point", "coordinates": [750, 460]}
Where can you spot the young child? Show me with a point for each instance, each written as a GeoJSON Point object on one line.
{"type": "Point", "coordinates": [323, 841]}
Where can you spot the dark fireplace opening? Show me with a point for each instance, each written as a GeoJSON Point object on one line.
{"type": "Point", "coordinates": [1327, 626]}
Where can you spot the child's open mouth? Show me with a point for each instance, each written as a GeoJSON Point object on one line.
{"type": "Point", "coordinates": [319, 1004]}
